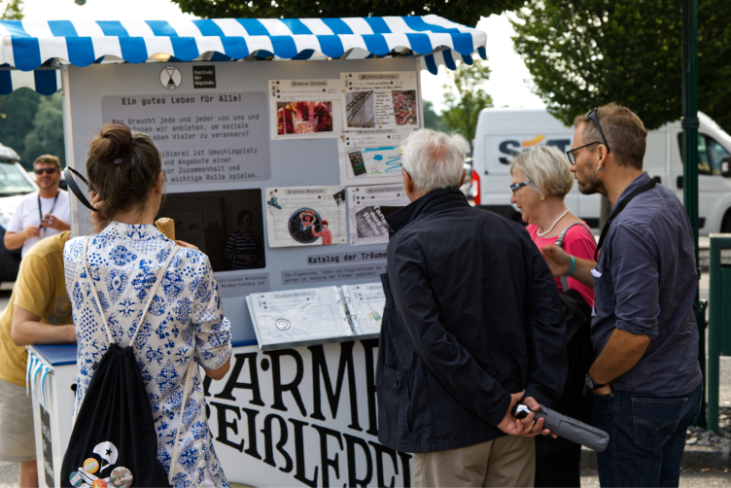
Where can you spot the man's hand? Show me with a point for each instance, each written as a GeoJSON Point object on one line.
{"type": "Point", "coordinates": [96, 202]}
{"type": "Point", "coordinates": [32, 231]}
{"type": "Point", "coordinates": [511, 425]}
{"type": "Point", "coordinates": [50, 221]}
{"type": "Point", "coordinates": [557, 259]}
{"type": "Point", "coordinates": [604, 390]}
{"type": "Point", "coordinates": [531, 427]}
{"type": "Point", "coordinates": [185, 244]}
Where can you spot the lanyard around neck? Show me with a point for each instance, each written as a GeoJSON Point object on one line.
{"type": "Point", "coordinates": [40, 211]}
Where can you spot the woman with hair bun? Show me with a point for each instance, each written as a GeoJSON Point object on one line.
{"type": "Point", "coordinates": [184, 322]}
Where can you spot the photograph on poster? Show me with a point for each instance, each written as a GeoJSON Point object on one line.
{"type": "Point", "coordinates": [304, 117]}
{"type": "Point", "coordinates": [359, 110]}
{"type": "Point", "coordinates": [305, 216]}
{"type": "Point", "coordinates": [368, 207]}
{"type": "Point", "coordinates": [371, 156]}
{"type": "Point", "coordinates": [366, 303]}
{"type": "Point", "coordinates": [226, 225]}
{"type": "Point", "coordinates": [284, 318]}
{"type": "Point", "coordinates": [404, 107]}
{"type": "Point", "coordinates": [380, 100]}
{"type": "Point", "coordinates": [305, 109]}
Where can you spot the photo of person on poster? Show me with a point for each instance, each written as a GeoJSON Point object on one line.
{"type": "Point", "coordinates": [327, 236]}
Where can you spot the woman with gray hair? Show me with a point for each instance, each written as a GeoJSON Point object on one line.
{"type": "Point", "coordinates": [541, 179]}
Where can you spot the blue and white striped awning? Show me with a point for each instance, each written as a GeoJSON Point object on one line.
{"type": "Point", "coordinates": [29, 45]}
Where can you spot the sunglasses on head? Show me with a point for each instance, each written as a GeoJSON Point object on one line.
{"type": "Point", "coordinates": [48, 171]}
{"type": "Point", "coordinates": [590, 116]}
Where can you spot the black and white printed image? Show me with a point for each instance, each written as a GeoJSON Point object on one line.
{"type": "Point", "coordinates": [359, 109]}
{"type": "Point", "coordinates": [371, 221]}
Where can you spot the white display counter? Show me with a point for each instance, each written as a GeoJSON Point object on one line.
{"type": "Point", "coordinates": [288, 417]}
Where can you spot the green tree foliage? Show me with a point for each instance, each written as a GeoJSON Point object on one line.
{"type": "Point", "coordinates": [13, 10]}
{"type": "Point", "coordinates": [586, 53]}
{"type": "Point", "coordinates": [17, 111]}
{"type": "Point", "coordinates": [32, 124]}
{"type": "Point", "coordinates": [432, 120]}
{"type": "Point", "coordinates": [467, 12]}
{"type": "Point", "coordinates": [47, 134]}
{"type": "Point", "coordinates": [465, 99]}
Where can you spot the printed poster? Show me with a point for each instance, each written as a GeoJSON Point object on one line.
{"type": "Point", "coordinates": [385, 100]}
{"type": "Point", "coordinates": [366, 303]}
{"type": "Point", "coordinates": [305, 109]}
{"type": "Point", "coordinates": [368, 207]}
{"type": "Point", "coordinates": [305, 216]}
{"type": "Point", "coordinates": [288, 317]}
{"type": "Point", "coordinates": [371, 157]}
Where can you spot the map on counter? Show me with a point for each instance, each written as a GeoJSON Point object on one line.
{"type": "Point", "coordinates": [305, 109]}
{"type": "Point", "coordinates": [366, 303]}
{"type": "Point", "coordinates": [368, 157]}
{"type": "Point", "coordinates": [203, 139]}
{"type": "Point", "coordinates": [382, 100]}
{"type": "Point", "coordinates": [305, 216]}
{"type": "Point", "coordinates": [368, 207]}
{"type": "Point", "coordinates": [285, 318]}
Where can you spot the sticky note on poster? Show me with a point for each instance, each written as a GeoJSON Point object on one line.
{"type": "Point", "coordinates": [305, 216]}
{"type": "Point", "coordinates": [305, 109]}
{"type": "Point", "coordinates": [382, 100]}
{"type": "Point", "coordinates": [371, 157]}
{"type": "Point", "coordinates": [368, 207]}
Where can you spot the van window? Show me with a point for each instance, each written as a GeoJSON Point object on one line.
{"type": "Point", "coordinates": [710, 154]}
{"type": "Point", "coordinates": [716, 154]}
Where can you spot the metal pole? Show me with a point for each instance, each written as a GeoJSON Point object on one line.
{"type": "Point", "coordinates": [718, 243]}
{"type": "Point", "coordinates": [690, 158]}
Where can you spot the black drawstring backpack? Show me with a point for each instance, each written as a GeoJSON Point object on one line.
{"type": "Point", "coordinates": [113, 442]}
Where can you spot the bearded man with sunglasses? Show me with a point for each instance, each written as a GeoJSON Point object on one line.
{"type": "Point", "coordinates": [42, 213]}
{"type": "Point", "coordinates": [646, 379]}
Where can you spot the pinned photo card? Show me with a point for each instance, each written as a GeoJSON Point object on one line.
{"type": "Point", "coordinates": [305, 216]}
{"type": "Point", "coordinates": [305, 109]}
{"type": "Point", "coordinates": [368, 207]}
{"type": "Point", "coordinates": [382, 100]}
{"type": "Point", "coordinates": [371, 157]}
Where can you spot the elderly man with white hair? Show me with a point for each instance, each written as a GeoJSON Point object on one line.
{"type": "Point", "coordinates": [472, 325]}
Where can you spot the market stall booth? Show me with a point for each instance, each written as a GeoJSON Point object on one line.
{"type": "Point", "coordinates": [303, 152]}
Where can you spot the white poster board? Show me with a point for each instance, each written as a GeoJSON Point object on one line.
{"type": "Point", "coordinates": [284, 417]}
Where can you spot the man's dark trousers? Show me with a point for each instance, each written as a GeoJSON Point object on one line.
{"type": "Point", "coordinates": [647, 436]}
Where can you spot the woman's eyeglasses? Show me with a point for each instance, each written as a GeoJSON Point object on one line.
{"type": "Point", "coordinates": [515, 186]}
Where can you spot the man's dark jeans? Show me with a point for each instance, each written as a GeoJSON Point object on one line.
{"type": "Point", "coordinates": [647, 436]}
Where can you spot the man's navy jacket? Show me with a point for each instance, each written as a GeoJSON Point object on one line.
{"type": "Point", "coordinates": [472, 314]}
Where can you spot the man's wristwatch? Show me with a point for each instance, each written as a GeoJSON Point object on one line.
{"type": "Point", "coordinates": [593, 385]}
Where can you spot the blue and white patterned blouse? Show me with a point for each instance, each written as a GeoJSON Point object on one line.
{"type": "Point", "coordinates": [185, 322]}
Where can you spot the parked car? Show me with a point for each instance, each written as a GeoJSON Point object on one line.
{"type": "Point", "coordinates": [14, 185]}
{"type": "Point", "coordinates": [502, 133]}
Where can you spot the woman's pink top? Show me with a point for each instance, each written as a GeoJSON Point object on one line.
{"type": "Point", "coordinates": [577, 243]}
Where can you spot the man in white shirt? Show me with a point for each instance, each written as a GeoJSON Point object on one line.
{"type": "Point", "coordinates": [42, 213]}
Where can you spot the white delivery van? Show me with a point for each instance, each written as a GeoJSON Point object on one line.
{"type": "Point", "coordinates": [504, 132]}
